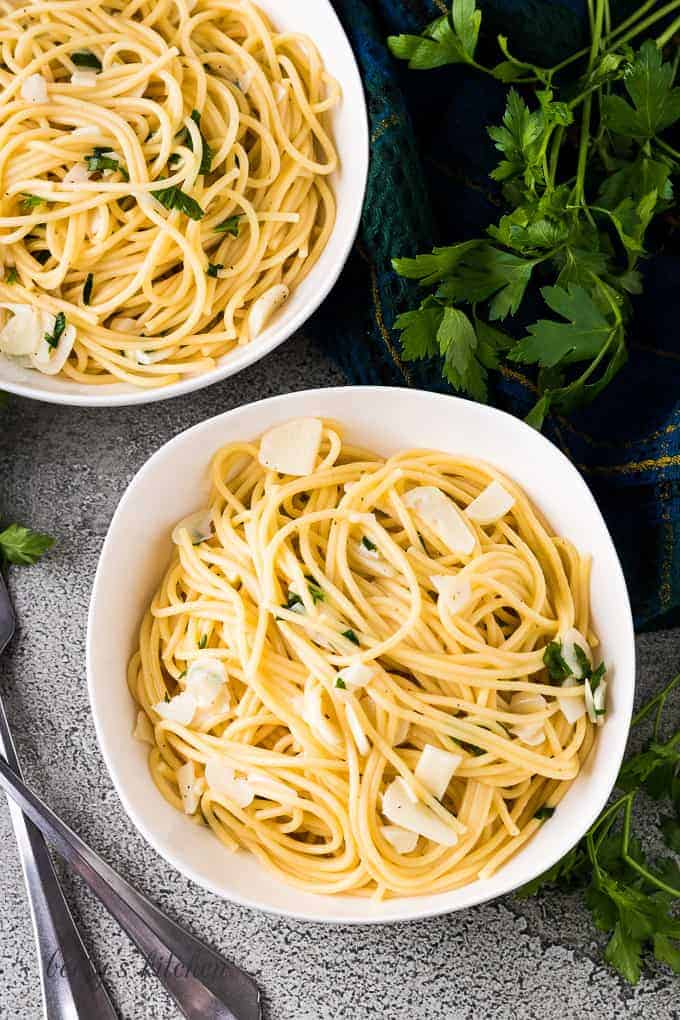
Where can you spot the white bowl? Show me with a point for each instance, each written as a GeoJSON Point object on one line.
{"type": "Point", "coordinates": [350, 127]}
{"type": "Point", "coordinates": [174, 482]}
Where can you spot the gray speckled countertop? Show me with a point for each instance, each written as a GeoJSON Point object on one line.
{"type": "Point", "coordinates": [64, 469]}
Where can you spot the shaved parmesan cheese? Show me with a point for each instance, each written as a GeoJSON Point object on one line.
{"type": "Point", "coordinates": [402, 840]}
{"type": "Point", "coordinates": [399, 809]}
{"type": "Point", "coordinates": [455, 591]}
{"type": "Point", "coordinates": [34, 89]}
{"type": "Point", "coordinates": [570, 639]}
{"type": "Point", "coordinates": [246, 80]}
{"type": "Point", "coordinates": [268, 788]}
{"type": "Point", "coordinates": [265, 306]}
{"type": "Point", "coordinates": [292, 448]}
{"type": "Point", "coordinates": [180, 709]}
{"type": "Point", "coordinates": [205, 680]}
{"type": "Point", "coordinates": [316, 719]}
{"type": "Point", "coordinates": [78, 174]}
{"type": "Point", "coordinates": [97, 226]}
{"type": "Point", "coordinates": [442, 515]}
{"type": "Point", "coordinates": [223, 781]}
{"type": "Point", "coordinates": [357, 730]}
{"type": "Point", "coordinates": [572, 708]}
{"type": "Point", "coordinates": [23, 332]}
{"type": "Point", "coordinates": [525, 703]}
{"type": "Point", "coordinates": [186, 781]}
{"type": "Point", "coordinates": [403, 727]}
{"type": "Point", "coordinates": [199, 526]}
{"type": "Point", "coordinates": [358, 674]}
{"type": "Point", "coordinates": [492, 503]}
{"type": "Point", "coordinates": [143, 730]}
{"type": "Point", "coordinates": [151, 357]}
{"type": "Point", "coordinates": [86, 78]}
{"type": "Point", "coordinates": [50, 360]}
{"type": "Point", "coordinates": [435, 768]}
{"type": "Point", "coordinates": [596, 702]}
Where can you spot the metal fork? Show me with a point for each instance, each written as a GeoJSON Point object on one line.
{"type": "Point", "coordinates": [177, 958]}
{"type": "Point", "coordinates": [71, 987]}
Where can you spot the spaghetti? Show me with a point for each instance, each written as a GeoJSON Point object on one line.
{"type": "Point", "coordinates": [164, 170]}
{"type": "Point", "coordinates": [374, 674]}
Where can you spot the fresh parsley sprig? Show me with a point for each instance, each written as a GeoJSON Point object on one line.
{"type": "Point", "coordinates": [579, 204]}
{"type": "Point", "coordinates": [23, 546]}
{"type": "Point", "coordinates": [628, 896]}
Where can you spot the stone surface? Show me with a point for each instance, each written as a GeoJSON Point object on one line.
{"type": "Point", "coordinates": [64, 469]}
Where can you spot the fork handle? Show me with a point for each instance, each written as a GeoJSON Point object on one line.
{"type": "Point", "coordinates": [71, 987]}
{"type": "Point", "coordinates": [204, 984]}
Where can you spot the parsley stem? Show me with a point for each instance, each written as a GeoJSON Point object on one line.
{"type": "Point", "coordinates": [632, 863]}
{"type": "Point", "coordinates": [668, 149]}
{"type": "Point", "coordinates": [658, 699]}
{"type": "Point", "coordinates": [646, 23]}
{"type": "Point", "coordinates": [666, 36]}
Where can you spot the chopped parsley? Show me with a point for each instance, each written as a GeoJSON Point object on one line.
{"type": "Point", "coordinates": [314, 590]}
{"type": "Point", "coordinates": [366, 542]}
{"type": "Point", "coordinates": [544, 812]}
{"type": "Point", "coordinates": [232, 226]}
{"type": "Point", "coordinates": [84, 58]}
{"type": "Point", "coordinates": [351, 636]}
{"type": "Point", "coordinates": [341, 683]}
{"type": "Point", "coordinates": [31, 201]}
{"type": "Point", "coordinates": [98, 161]}
{"type": "Point", "coordinates": [87, 289]}
{"type": "Point", "coordinates": [203, 642]}
{"type": "Point", "coordinates": [12, 275]}
{"type": "Point", "coordinates": [293, 600]}
{"type": "Point", "coordinates": [175, 198]}
{"type": "Point", "coordinates": [214, 268]}
{"type": "Point", "coordinates": [207, 153]}
{"type": "Point", "coordinates": [554, 662]}
{"type": "Point", "coordinates": [52, 339]}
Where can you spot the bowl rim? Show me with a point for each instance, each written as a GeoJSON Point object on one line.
{"type": "Point", "coordinates": [242, 357]}
{"type": "Point", "coordinates": [476, 895]}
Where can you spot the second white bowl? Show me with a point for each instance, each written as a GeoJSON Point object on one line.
{"type": "Point", "coordinates": [175, 482]}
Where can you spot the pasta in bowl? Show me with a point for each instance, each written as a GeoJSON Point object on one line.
{"type": "Point", "coordinates": [172, 201]}
{"type": "Point", "coordinates": [375, 672]}
{"type": "Point", "coordinates": [370, 642]}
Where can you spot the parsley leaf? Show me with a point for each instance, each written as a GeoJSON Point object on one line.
{"type": "Point", "coordinates": [98, 161]}
{"type": "Point", "coordinates": [580, 338]}
{"type": "Point", "coordinates": [203, 642]}
{"type": "Point", "coordinates": [232, 225]}
{"type": "Point", "coordinates": [214, 268]}
{"type": "Point", "coordinates": [367, 544]}
{"type": "Point", "coordinates": [317, 593]}
{"type": "Point", "coordinates": [175, 198]}
{"type": "Point", "coordinates": [12, 275]}
{"type": "Point", "coordinates": [52, 339]}
{"type": "Point", "coordinates": [351, 636]}
{"type": "Point", "coordinates": [207, 154]}
{"type": "Point", "coordinates": [22, 546]}
{"type": "Point", "coordinates": [554, 662]}
{"type": "Point", "coordinates": [31, 201]}
{"type": "Point", "coordinates": [447, 40]}
{"type": "Point", "coordinates": [84, 58]}
{"type": "Point", "coordinates": [340, 683]}
{"type": "Point", "coordinates": [655, 103]}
